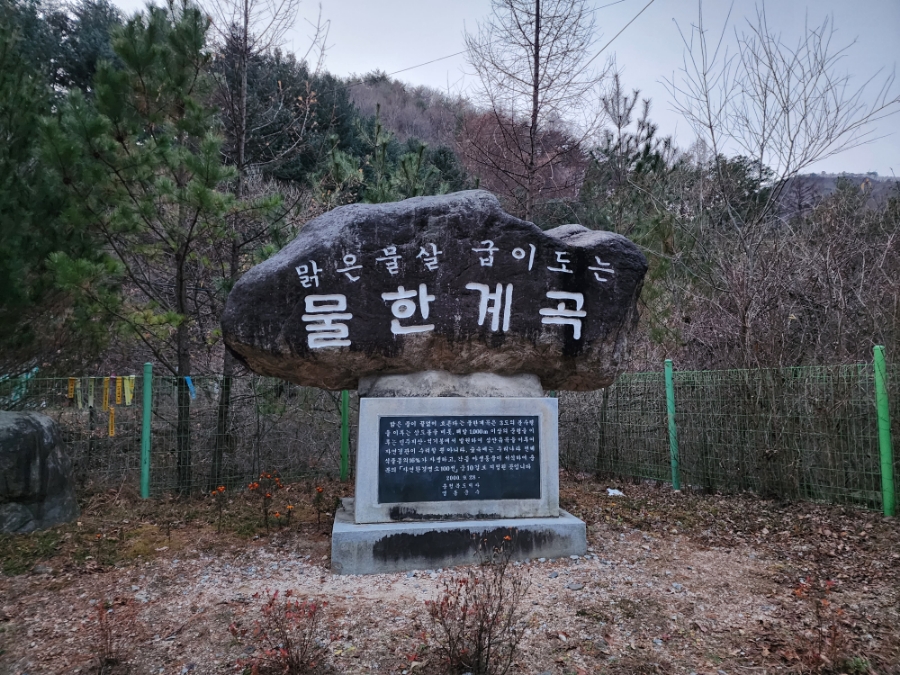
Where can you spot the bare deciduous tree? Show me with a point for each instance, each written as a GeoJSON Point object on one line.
{"type": "Point", "coordinates": [780, 107]}
{"type": "Point", "coordinates": [249, 30]}
{"type": "Point", "coordinates": [783, 106]}
{"type": "Point", "coordinates": [532, 58]}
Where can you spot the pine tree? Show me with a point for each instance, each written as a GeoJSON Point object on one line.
{"type": "Point", "coordinates": [34, 317]}
{"type": "Point", "coordinates": [143, 165]}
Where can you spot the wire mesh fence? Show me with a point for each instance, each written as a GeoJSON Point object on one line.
{"type": "Point", "coordinates": [268, 425]}
{"type": "Point", "coordinates": [100, 421]}
{"type": "Point", "coordinates": [792, 433]}
{"type": "Point", "coordinates": [795, 433]}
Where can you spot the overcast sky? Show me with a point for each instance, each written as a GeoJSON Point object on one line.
{"type": "Point", "coordinates": [393, 35]}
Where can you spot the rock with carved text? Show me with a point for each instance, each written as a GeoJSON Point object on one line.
{"type": "Point", "coordinates": [449, 283]}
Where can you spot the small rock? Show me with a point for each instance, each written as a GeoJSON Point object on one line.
{"type": "Point", "coordinates": [542, 560]}
{"type": "Point", "coordinates": [612, 492]}
{"type": "Point", "coordinates": [574, 557]}
{"type": "Point", "coordinates": [574, 586]}
{"type": "Point", "coordinates": [657, 642]}
{"type": "Point", "coordinates": [42, 569]}
{"type": "Point", "coordinates": [410, 575]}
{"type": "Point", "coordinates": [553, 575]}
{"type": "Point", "coordinates": [678, 588]}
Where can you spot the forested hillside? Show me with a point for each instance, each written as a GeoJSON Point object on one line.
{"type": "Point", "coordinates": [150, 160]}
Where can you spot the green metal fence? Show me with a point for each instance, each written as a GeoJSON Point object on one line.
{"type": "Point", "coordinates": [794, 433]}
{"type": "Point", "coordinates": [271, 425]}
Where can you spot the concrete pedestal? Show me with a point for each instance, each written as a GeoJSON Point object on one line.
{"type": "Point", "coordinates": [378, 548]}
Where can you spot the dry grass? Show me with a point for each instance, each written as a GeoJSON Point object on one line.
{"type": "Point", "coordinates": [675, 583]}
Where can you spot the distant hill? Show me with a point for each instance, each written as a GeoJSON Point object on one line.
{"type": "Point", "coordinates": [409, 111]}
{"type": "Point", "coordinates": [825, 183]}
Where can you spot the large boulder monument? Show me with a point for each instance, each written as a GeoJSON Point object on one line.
{"type": "Point", "coordinates": [451, 318]}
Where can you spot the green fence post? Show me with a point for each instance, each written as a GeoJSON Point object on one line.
{"type": "Point", "coordinates": [145, 431]}
{"type": "Point", "coordinates": [345, 434]}
{"type": "Point", "coordinates": [673, 430]}
{"type": "Point", "coordinates": [884, 433]}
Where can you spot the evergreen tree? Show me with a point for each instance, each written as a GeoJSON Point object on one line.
{"type": "Point", "coordinates": [23, 98]}
{"type": "Point", "coordinates": [34, 317]}
{"type": "Point", "coordinates": [65, 42]}
{"type": "Point", "coordinates": [143, 164]}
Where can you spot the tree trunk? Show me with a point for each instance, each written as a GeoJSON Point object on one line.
{"type": "Point", "coordinates": [535, 107]}
{"type": "Point", "coordinates": [223, 428]}
{"type": "Point", "coordinates": [224, 440]}
{"type": "Point", "coordinates": [223, 409]}
{"type": "Point", "coordinates": [183, 396]}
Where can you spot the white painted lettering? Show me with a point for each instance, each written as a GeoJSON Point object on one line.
{"type": "Point", "coordinates": [519, 254]}
{"type": "Point", "coordinates": [403, 307]}
{"type": "Point", "coordinates": [562, 316]}
{"type": "Point", "coordinates": [603, 268]}
{"type": "Point", "coordinates": [430, 259]}
{"type": "Point", "coordinates": [489, 249]}
{"type": "Point", "coordinates": [322, 314]}
{"type": "Point", "coordinates": [494, 307]}
{"type": "Point", "coordinates": [309, 274]}
{"type": "Point", "coordinates": [563, 260]}
{"type": "Point", "coordinates": [350, 262]}
{"type": "Point", "coordinates": [390, 259]}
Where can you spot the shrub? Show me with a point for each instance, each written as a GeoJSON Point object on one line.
{"type": "Point", "coordinates": [114, 620]}
{"type": "Point", "coordinates": [289, 634]}
{"type": "Point", "coordinates": [474, 618]}
{"type": "Point", "coordinates": [821, 650]}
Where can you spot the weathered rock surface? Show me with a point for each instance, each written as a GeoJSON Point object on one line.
{"type": "Point", "coordinates": [447, 283]}
{"type": "Point", "coordinates": [37, 489]}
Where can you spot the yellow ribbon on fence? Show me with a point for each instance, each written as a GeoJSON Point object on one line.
{"type": "Point", "coordinates": [112, 421]}
{"type": "Point", "coordinates": [90, 392]}
{"type": "Point", "coordinates": [71, 387]}
{"type": "Point", "coordinates": [119, 390]}
{"type": "Point", "coordinates": [105, 405]}
{"type": "Point", "coordinates": [78, 393]}
{"type": "Point", "coordinates": [129, 389]}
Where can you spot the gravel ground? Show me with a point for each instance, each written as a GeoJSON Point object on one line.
{"type": "Point", "coordinates": [671, 584]}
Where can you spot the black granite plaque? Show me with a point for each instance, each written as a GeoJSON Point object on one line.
{"type": "Point", "coordinates": [458, 458]}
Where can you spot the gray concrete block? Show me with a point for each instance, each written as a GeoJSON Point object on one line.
{"type": "Point", "coordinates": [379, 548]}
{"type": "Point", "coordinates": [440, 383]}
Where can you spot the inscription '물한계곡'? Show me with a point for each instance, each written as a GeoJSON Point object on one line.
{"type": "Point", "coordinates": [458, 458]}
{"type": "Point", "coordinates": [437, 283]}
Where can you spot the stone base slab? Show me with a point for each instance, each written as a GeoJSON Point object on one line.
{"type": "Point", "coordinates": [381, 548]}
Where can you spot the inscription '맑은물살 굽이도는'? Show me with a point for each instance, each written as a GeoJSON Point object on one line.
{"type": "Point", "coordinates": [458, 458]}
{"type": "Point", "coordinates": [327, 318]}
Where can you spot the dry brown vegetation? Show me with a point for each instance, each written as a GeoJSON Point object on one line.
{"type": "Point", "coordinates": [673, 583]}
